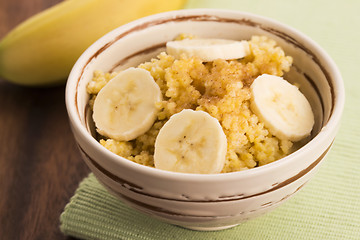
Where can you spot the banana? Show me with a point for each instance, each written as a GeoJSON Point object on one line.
{"type": "Point", "coordinates": [125, 107]}
{"type": "Point", "coordinates": [43, 49]}
{"type": "Point", "coordinates": [282, 108]}
{"type": "Point", "coordinates": [208, 50]}
{"type": "Point", "coordinates": [191, 142]}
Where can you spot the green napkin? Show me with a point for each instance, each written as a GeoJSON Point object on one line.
{"type": "Point", "coordinates": [328, 207]}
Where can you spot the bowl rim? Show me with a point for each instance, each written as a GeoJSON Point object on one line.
{"type": "Point", "coordinates": [83, 60]}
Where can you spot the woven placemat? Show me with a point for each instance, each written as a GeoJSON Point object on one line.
{"type": "Point", "coordinates": [328, 207]}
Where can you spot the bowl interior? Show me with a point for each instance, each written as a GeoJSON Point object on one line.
{"type": "Point", "coordinates": [141, 40]}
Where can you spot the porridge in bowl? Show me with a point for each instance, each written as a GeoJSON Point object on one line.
{"type": "Point", "coordinates": [242, 124]}
{"type": "Point", "coordinates": [208, 201]}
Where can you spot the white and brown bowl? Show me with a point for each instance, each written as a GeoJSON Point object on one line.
{"type": "Point", "coordinates": [214, 201]}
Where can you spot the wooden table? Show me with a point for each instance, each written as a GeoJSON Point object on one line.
{"type": "Point", "coordinates": [40, 166]}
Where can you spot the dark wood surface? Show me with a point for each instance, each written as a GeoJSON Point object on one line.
{"type": "Point", "coordinates": [40, 166]}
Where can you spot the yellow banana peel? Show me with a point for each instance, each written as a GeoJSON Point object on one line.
{"type": "Point", "coordinates": [42, 50]}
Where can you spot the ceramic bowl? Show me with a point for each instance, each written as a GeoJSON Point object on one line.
{"type": "Point", "coordinates": [214, 201]}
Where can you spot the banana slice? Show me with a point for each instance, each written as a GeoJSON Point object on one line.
{"type": "Point", "coordinates": [282, 108]}
{"type": "Point", "coordinates": [208, 49]}
{"type": "Point", "coordinates": [125, 107]}
{"type": "Point", "coordinates": [191, 142]}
